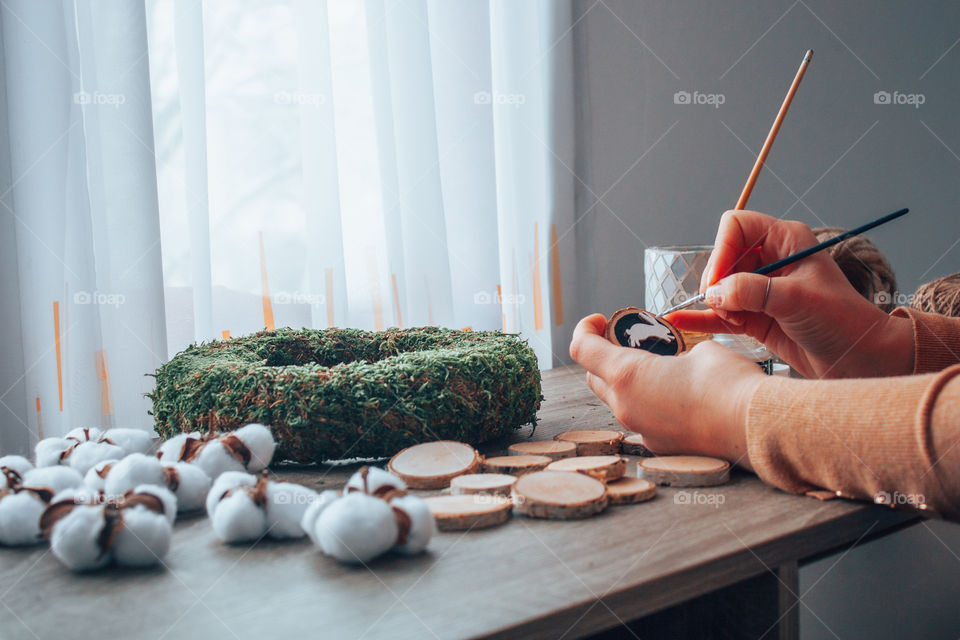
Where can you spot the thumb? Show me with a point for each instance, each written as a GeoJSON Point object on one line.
{"type": "Point", "coordinates": [741, 292]}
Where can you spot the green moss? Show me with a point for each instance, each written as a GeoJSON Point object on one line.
{"type": "Point", "coordinates": [345, 393]}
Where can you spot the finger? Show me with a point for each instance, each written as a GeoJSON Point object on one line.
{"type": "Point", "coordinates": [702, 321]}
{"type": "Point", "coordinates": [590, 349]}
{"type": "Point", "coordinates": [742, 292]}
{"type": "Point", "coordinates": [738, 235]}
{"type": "Point", "coordinates": [600, 388]}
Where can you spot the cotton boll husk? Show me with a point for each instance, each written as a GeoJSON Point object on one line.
{"type": "Point", "coordinates": [87, 454]}
{"type": "Point", "coordinates": [133, 470]}
{"type": "Point", "coordinates": [422, 523]}
{"type": "Point", "coordinates": [166, 497]}
{"type": "Point", "coordinates": [144, 538]}
{"type": "Point", "coordinates": [214, 459]}
{"type": "Point", "coordinates": [20, 519]}
{"type": "Point", "coordinates": [74, 539]}
{"type": "Point", "coordinates": [193, 488]}
{"type": "Point", "coordinates": [357, 528]}
{"type": "Point", "coordinates": [56, 479]}
{"type": "Point", "coordinates": [83, 435]}
{"type": "Point", "coordinates": [170, 449]}
{"type": "Point", "coordinates": [261, 444]}
{"type": "Point", "coordinates": [309, 520]}
{"type": "Point", "coordinates": [376, 478]}
{"type": "Point", "coordinates": [286, 504]}
{"type": "Point", "coordinates": [224, 483]}
{"type": "Point", "coordinates": [49, 450]}
{"type": "Point", "coordinates": [93, 479]}
{"type": "Point", "coordinates": [130, 440]}
{"type": "Point", "coordinates": [238, 519]}
{"type": "Point", "coordinates": [18, 463]}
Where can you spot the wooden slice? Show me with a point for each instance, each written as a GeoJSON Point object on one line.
{"type": "Point", "coordinates": [606, 468]}
{"type": "Point", "coordinates": [633, 445]}
{"type": "Point", "coordinates": [639, 329]}
{"type": "Point", "coordinates": [559, 495]}
{"type": "Point", "coordinates": [693, 338]}
{"type": "Point", "coordinates": [593, 442]}
{"type": "Point", "coordinates": [553, 449]}
{"type": "Point", "coordinates": [498, 484]}
{"type": "Point", "coordinates": [684, 471]}
{"type": "Point", "coordinates": [629, 490]}
{"type": "Point", "coordinates": [459, 513]}
{"type": "Point", "coordinates": [515, 465]}
{"type": "Point", "coordinates": [432, 465]}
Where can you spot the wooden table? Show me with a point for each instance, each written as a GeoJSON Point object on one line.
{"type": "Point", "coordinates": [723, 559]}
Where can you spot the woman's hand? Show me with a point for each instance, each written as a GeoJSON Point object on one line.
{"type": "Point", "coordinates": [807, 313]}
{"type": "Point", "coordinates": [693, 403]}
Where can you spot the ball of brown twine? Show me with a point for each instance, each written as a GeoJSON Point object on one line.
{"type": "Point", "coordinates": [864, 266]}
{"type": "Point", "coordinates": [940, 296]}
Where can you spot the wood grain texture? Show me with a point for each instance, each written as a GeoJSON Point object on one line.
{"type": "Point", "coordinates": [542, 578]}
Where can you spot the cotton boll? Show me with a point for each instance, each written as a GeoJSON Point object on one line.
{"type": "Point", "coordinates": [286, 504]}
{"type": "Point", "coordinates": [238, 519]}
{"type": "Point", "coordinates": [166, 497]}
{"type": "Point", "coordinates": [55, 479]}
{"type": "Point", "coordinates": [214, 459]}
{"type": "Point", "coordinates": [260, 442]}
{"type": "Point", "coordinates": [81, 494]}
{"type": "Point", "coordinates": [130, 440]}
{"type": "Point", "coordinates": [357, 528]}
{"type": "Point", "coordinates": [170, 449]}
{"type": "Point", "coordinates": [192, 488]}
{"type": "Point", "coordinates": [74, 539]}
{"type": "Point", "coordinates": [422, 523]}
{"type": "Point", "coordinates": [377, 478]}
{"type": "Point", "coordinates": [84, 434]}
{"type": "Point", "coordinates": [133, 470]}
{"type": "Point", "coordinates": [144, 538]}
{"type": "Point", "coordinates": [87, 454]}
{"type": "Point", "coordinates": [95, 478]}
{"type": "Point", "coordinates": [309, 520]}
{"type": "Point", "coordinates": [19, 464]}
{"type": "Point", "coordinates": [224, 483]}
{"type": "Point", "coordinates": [20, 519]}
{"type": "Point", "coordinates": [49, 450]}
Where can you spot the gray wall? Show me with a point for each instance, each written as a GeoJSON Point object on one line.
{"type": "Point", "coordinates": [848, 158]}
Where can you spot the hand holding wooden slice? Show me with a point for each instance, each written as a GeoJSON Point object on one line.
{"type": "Point", "coordinates": [639, 329]}
{"type": "Point", "coordinates": [515, 465]}
{"type": "Point", "coordinates": [593, 442]}
{"type": "Point", "coordinates": [432, 465]}
{"type": "Point", "coordinates": [460, 513]}
{"type": "Point", "coordinates": [684, 471]}
{"type": "Point", "coordinates": [553, 449]}
{"type": "Point", "coordinates": [630, 490]}
{"type": "Point", "coordinates": [497, 484]}
{"type": "Point", "coordinates": [632, 445]}
{"type": "Point", "coordinates": [559, 495]}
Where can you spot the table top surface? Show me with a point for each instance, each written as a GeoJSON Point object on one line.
{"type": "Point", "coordinates": [527, 578]}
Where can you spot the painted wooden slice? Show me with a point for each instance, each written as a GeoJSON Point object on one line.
{"type": "Point", "coordinates": [684, 471]}
{"type": "Point", "coordinates": [497, 484]}
{"type": "Point", "coordinates": [553, 449]}
{"type": "Point", "coordinates": [633, 445]}
{"type": "Point", "coordinates": [460, 513]}
{"type": "Point", "coordinates": [639, 329]}
{"type": "Point", "coordinates": [606, 468]}
{"type": "Point", "coordinates": [630, 490]}
{"type": "Point", "coordinates": [559, 495]}
{"type": "Point", "coordinates": [693, 338]}
{"type": "Point", "coordinates": [515, 465]}
{"type": "Point", "coordinates": [593, 442]}
{"type": "Point", "coordinates": [432, 465]}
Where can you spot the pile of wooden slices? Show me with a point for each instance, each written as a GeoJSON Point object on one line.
{"type": "Point", "coordinates": [575, 475]}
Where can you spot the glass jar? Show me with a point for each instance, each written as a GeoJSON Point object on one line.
{"type": "Point", "coordinates": [749, 348]}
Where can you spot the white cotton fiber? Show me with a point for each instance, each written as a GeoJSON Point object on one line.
{"type": "Point", "coordinates": [82, 434]}
{"type": "Point", "coordinates": [133, 470]}
{"type": "Point", "coordinates": [422, 524]}
{"type": "Point", "coordinates": [377, 478]}
{"type": "Point", "coordinates": [49, 450]}
{"type": "Point", "coordinates": [16, 463]}
{"type": "Point", "coordinates": [87, 454]}
{"type": "Point", "coordinates": [224, 483]}
{"type": "Point", "coordinates": [309, 520]}
{"type": "Point", "coordinates": [130, 440]}
{"type": "Point", "coordinates": [74, 539]}
{"type": "Point", "coordinates": [356, 528]}
{"type": "Point", "coordinates": [95, 478]}
{"type": "Point", "coordinates": [20, 519]}
{"type": "Point", "coordinates": [170, 449]}
{"type": "Point", "coordinates": [143, 540]}
{"type": "Point", "coordinates": [237, 519]}
{"type": "Point", "coordinates": [286, 504]}
{"type": "Point", "coordinates": [56, 479]}
{"type": "Point", "coordinates": [192, 488]}
{"type": "Point", "coordinates": [260, 442]}
{"type": "Point", "coordinates": [166, 497]}
{"type": "Point", "coordinates": [214, 459]}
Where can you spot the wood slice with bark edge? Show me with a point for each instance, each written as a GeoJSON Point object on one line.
{"type": "Point", "coordinates": [632, 445]}
{"type": "Point", "coordinates": [515, 465]}
{"type": "Point", "coordinates": [559, 495]}
{"type": "Point", "coordinates": [630, 490]}
{"type": "Point", "coordinates": [684, 471]}
{"type": "Point", "coordinates": [459, 513]}
{"type": "Point", "coordinates": [606, 468]}
{"type": "Point", "coordinates": [593, 442]}
{"type": "Point", "coordinates": [431, 465]}
{"type": "Point", "coordinates": [553, 449]}
{"type": "Point", "coordinates": [497, 484]}
{"type": "Point", "coordinates": [673, 347]}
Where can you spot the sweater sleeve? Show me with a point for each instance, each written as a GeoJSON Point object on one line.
{"type": "Point", "coordinates": [883, 439]}
{"type": "Point", "coordinates": [936, 339]}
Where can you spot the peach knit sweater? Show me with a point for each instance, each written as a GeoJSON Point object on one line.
{"type": "Point", "coordinates": [896, 437]}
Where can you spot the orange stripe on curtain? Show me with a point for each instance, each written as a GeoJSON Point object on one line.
{"type": "Point", "coordinates": [225, 334]}
{"type": "Point", "coordinates": [555, 277]}
{"type": "Point", "coordinates": [265, 287]}
{"type": "Point", "coordinates": [396, 300]}
{"type": "Point", "coordinates": [328, 284]}
{"type": "Point", "coordinates": [103, 374]}
{"type": "Point", "coordinates": [56, 335]}
{"type": "Point", "coordinates": [537, 294]}
{"type": "Point", "coordinates": [503, 316]}
{"type": "Point", "coordinates": [39, 420]}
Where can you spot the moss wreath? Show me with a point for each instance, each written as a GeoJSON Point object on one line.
{"type": "Point", "coordinates": [332, 394]}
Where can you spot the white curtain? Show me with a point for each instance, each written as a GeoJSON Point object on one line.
{"type": "Point", "coordinates": [319, 163]}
